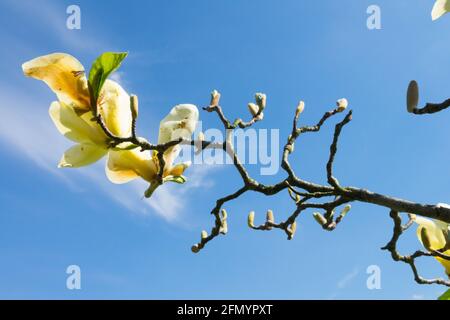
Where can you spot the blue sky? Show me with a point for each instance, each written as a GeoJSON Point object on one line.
{"type": "Point", "coordinates": [127, 247]}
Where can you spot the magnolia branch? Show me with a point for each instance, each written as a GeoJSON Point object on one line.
{"type": "Point", "coordinates": [412, 102]}
{"type": "Point", "coordinates": [411, 259]}
{"type": "Point", "coordinates": [304, 194]}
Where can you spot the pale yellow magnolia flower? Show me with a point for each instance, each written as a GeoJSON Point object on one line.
{"type": "Point", "coordinates": [437, 234]}
{"type": "Point", "coordinates": [440, 8]}
{"type": "Point", "coordinates": [65, 76]}
{"type": "Point", "coordinates": [124, 166]}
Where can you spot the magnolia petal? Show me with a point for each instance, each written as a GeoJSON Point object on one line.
{"type": "Point", "coordinates": [169, 157]}
{"type": "Point", "coordinates": [445, 263]}
{"type": "Point", "coordinates": [81, 155]}
{"type": "Point", "coordinates": [124, 166]}
{"type": "Point", "coordinates": [74, 127]}
{"type": "Point", "coordinates": [179, 169]}
{"type": "Point", "coordinates": [64, 75]}
{"type": "Point", "coordinates": [179, 123]}
{"type": "Point", "coordinates": [114, 105]}
{"type": "Point", "coordinates": [434, 232]}
{"type": "Point", "coordinates": [440, 8]}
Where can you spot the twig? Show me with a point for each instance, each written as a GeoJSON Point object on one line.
{"type": "Point", "coordinates": [432, 108]}
{"type": "Point", "coordinates": [410, 259]}
{"type": "Point", "coordinates": [302, 192]}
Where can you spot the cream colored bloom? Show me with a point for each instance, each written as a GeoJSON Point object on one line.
{"type": "Point", "coordinates": [440, 8]}
{"type": "Point", "coordinates": [65, 76]}
{"type": "Point", "coordinates": [124, 166]}
{"type": "Point", "coordinates": [437, 233]}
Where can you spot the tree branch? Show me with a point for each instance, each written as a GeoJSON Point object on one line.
{"type": "Point", "coordinates": [432, 107]}
{"type": "Point", "coordinates": [302, 192]}
{"type": "Point", "coordinates": [411, 259]}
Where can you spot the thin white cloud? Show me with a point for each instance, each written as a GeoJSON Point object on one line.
{"type": "Point", "coordinates": [348, 278]}
{"type": "Point", "coordinates": [344, 282]}
{"type": "Point", "coordinates": [28, 133]}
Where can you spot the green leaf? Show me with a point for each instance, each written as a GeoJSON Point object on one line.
{"type": "Point", "coordinates": [176, 179]}
{"type": "Point", "coordinates": [445, 296]}
{"type": "Point", "coordinates": [103, 66]}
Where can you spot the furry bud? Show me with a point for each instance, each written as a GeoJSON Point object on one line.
{"type": "Point", "coordinates": [342, 104]}
{"type": "Point", "coordinates": [215, 98]}
{"type": "Point", "coordinates": [251, 219]}
{"type": "Point", "coordinates": [412, 96]}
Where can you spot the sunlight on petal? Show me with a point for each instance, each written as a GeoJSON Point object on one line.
{"type": "Point", "coordinates": [115, 108]}
{"type": "Point", "coordinates": [81, 155]}
{"type": "Point", "coordinates": [64, 75]}
{"type": "Point", "coordinates": [440, 8]}
{"type": "Point", "coordinates": [179, 169]}
{"type": "Point", "coordinates": [179, 123]}
{"type": "Point", "coordinates": [72, 126]}
{"type": "Point", "coordinates": [124, 166]}
{"type": "Point", "coordinates": [435, 236]}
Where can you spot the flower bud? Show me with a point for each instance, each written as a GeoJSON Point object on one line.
{"type": "Point", "coordinates": [319, 218]}
{"type": "Point", "coordinates": [195, 249]}
{"type": "Point", "coordinates": [260, 99]}
{"type": "Point", "coordinates": [215, 98]}
{"type": "Point", "coordinates": [224, 227]}
{"type": "Point", "coordinates": [204, 234]}
{"type": "Point", "coordinates": [292, 230]}
{"type": "Point", "coordinates": [293, 195]}
{"type": "Point", "coordinates": [270, 218]}
{"type": "Point", "coordinates": [300, 108]}
{"type": "Point", "coordinates": [345, 210]}
{"type": "Point", "coordinates": [342, 104]}
{"type": "Point", "coordinates": [412, 96]}
{"type": "Point", "coordinates": [329, 215]}
{"type": "Point", "coordinates": [425, 239]}
{"type": "Point", "coordinates": [251, 219]}
{"type": "Point", "coordinates": [254, 109]}
{"type": "Point", "coordinates": [343, 213]}
{"type": "Point", "coordinates": [199, 143]}
{"type": "Point", "coordinates": [224, 214]}
{"type": "Point", "coordinates": [134, 106]}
